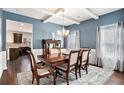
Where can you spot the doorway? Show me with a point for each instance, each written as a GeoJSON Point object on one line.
{"type": "Point", "coordinates": [18, 35]}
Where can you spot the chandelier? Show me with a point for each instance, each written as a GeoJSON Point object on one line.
{"type": "Point", "coordinates": [63, 32]}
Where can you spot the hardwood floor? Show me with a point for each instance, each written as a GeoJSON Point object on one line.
{"type": "Point", "coordinates": [9, 76]}
{"type": "Point", "coordinates": [22, 64]}
{"type": "Point", "coordinates": [116, 79]}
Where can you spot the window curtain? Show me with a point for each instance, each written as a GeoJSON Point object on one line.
{"type": "Point", "coordinates": [73, 40]}
{"type": "Point", "coordinates": [110, 46]}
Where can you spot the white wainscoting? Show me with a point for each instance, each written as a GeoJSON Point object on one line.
{"type": "Point", "coordinates": [3, 63]}
{"type": "Point", "coordinates": [92, 57]}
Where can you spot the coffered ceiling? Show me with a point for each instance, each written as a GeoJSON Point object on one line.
{"type": "Point", "coordinates": [55, 15]}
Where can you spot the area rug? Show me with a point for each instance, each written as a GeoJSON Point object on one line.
{"type": "Point", "coordinates": [95, 76]}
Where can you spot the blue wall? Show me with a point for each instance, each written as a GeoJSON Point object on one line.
{"type": "Point", "coordinates": [88, 28]}
{"type": "Point", "coordinates": [40, 30]}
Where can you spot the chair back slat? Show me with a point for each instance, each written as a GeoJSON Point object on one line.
{"type": "Point", "coordinates": [73, 57]}
{"type": "Point", "coordinates": [32, 62]}
{"type": "Point", "coordinates": [85, 56]}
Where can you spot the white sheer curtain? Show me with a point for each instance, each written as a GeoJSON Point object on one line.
{"type": "Point", "coordinates": [110, 46]}
{"type": "Point", "coordinates": [73, 40]}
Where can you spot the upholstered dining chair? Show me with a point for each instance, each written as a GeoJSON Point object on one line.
{"type": "Point", "coordinates": [71, 65]}
{"type": "Point", "coordinates": [40, 71]}
{"type": "Point", "coordinates": [84, 58]}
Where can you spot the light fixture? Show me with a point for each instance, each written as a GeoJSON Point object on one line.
{"type": "Point", "coordinates": [63, 32]}
{"type": "Point", "coordinates": [21, 26]}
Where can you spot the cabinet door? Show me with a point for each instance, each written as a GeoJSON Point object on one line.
{"type": "Point", "coordinates": [14, 52]}
{"type": "Point", "coordinates": [17, 38]}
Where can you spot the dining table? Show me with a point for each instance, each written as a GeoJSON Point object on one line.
{"type": "Point", "coordinates": [54, 59]}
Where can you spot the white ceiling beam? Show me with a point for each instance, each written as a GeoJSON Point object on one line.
{"type": "Point", "coordinates": [51, 15]}
{"type": "Point", "coordinates": [72, 19]}
{"type": "Point", "coordinates": [60, 16]}
{"type": "Point", "coordinates": [90, 13]}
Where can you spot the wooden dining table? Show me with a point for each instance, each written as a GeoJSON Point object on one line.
{"type": "Point", "coordinates": [54, 59]}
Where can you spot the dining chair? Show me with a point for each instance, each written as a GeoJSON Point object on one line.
{"type": "Point", "coordinates": [84, 59]}
{"type": "Point", "coordinates": [71, 65]}
{"type": "Point", "coordinates": [40, 71]}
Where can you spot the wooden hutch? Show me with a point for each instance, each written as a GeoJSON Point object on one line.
{"type": "Point", "coordinates": [46, 45]}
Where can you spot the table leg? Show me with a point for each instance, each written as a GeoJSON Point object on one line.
{"type": "Point", "coordinates": [54, 76]}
